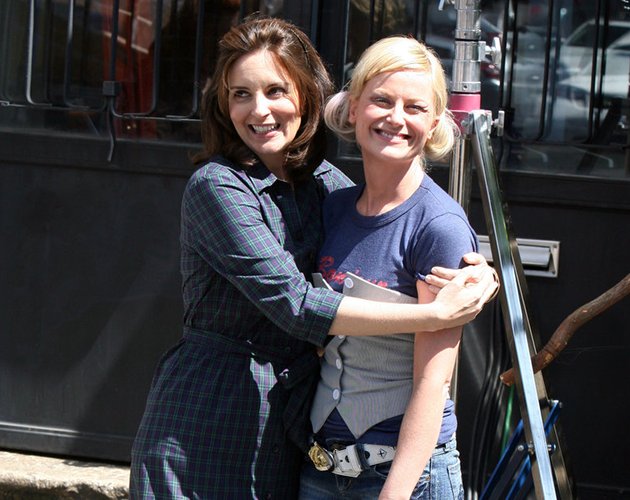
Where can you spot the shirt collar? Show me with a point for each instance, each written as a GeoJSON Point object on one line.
{"type": "Point", "coordinates": [261, 177]}
{"type": "Point", "coordinates": [323, 168]}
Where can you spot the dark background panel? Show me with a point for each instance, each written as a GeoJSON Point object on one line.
{"type": "Point", "coordinates": [90, 299]}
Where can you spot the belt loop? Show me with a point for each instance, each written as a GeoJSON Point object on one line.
{"type": "Point", "coordinates": [362, 456]}
{"type": "Point", "coordinates": [354, 459]}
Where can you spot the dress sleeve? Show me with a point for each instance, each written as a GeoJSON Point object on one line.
{"type": "Point", "coordinates": [222, 220]}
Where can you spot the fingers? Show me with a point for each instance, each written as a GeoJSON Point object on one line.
{"type": "Point", "coordinates": [467, 275]}
{"type": "Point", "coordinates": [488, 284]}
{"type": "Point", "coordinates": [466, 293]}
{"type": "Point", "coordinates": [461, 300]}
{"type": "Point", "coordinates": [493, 290]}
{"type": "Point", "coordinates": [443, 273]}
{"type": "Point", "coordinates": [435, 282]}
{"type": "Point", "coordinates": [479, 283]}
{"type": "Point", "coordinates": [440, 275]}
{"type": "Point", "coordinates": [474, 258]}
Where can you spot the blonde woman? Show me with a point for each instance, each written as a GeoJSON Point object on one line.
{"type": "Point", "coordinates": [384, 424]}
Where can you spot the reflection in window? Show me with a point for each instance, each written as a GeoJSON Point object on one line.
{"type": "Point", "coordinates": [563, 84]}
{"type": "Point", "coordinates": [568, 105]}
{"type": "Point", "coordinates": [371, 20]}
{"type": "Point", "coordinates": [152, 55]}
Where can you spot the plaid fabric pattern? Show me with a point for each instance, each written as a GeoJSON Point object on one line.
{"type": "Point", "coordinates": [225, 398]}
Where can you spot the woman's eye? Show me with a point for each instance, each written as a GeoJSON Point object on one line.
{"type": "Point", "coordinates": [240, 94]}
{"type": "Point", "coordinates": [276, 91]}
{"type": "Point", "coordinates": [417, 108]}
{"type": "Point", "coordinates": [381, 101]}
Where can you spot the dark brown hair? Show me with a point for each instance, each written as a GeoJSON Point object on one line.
{"type": "Point", "coordinates": [295, 53]}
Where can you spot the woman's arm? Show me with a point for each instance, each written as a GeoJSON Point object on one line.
{"type": "Point", "coordinates": [457, 303]}
{"type": "Point", "coordinates": [434, 359]}
{"type": "Point", "coordinates": [223, 223]}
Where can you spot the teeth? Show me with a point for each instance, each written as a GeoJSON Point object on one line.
{"type": "Point", "coordinates": [389, 135]}
{"type": "Point", "coordinates": [263, 129]}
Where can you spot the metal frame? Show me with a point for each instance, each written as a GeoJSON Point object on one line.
{"type": "Point", "coordinates": [476, 125]}
{"type": "Point", "coordinates": [511, 477]}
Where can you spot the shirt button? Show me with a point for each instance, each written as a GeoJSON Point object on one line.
{"type": "Point", "coordinates": [287, 349]}
{"type": "Point", "coordinates": [338, 364]}
{"type": "Point", "coordinates": [275, 448]}
{"type": "Point", "coordinates": [336, 394]}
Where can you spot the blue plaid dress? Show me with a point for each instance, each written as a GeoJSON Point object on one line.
{"type": "Point", "coordinates": [222, 405]}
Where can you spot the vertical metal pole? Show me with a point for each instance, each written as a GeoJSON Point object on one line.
{"type": "Point", "coordinates": [465, 92]}
{"type": "Point", "coordinates": [465, 97]}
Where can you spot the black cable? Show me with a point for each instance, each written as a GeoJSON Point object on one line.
{"type": "Point", "coordinates": [478, 420]}
{"type": "Point", "coordinates": [490, 411]}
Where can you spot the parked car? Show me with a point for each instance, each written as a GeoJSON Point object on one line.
{"type": "Point", "coordinates": [578, 51]}
{"type": "Point", "coordinates": [611, 73]}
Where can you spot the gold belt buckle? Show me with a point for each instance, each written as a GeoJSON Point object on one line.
{"type": "Point", "coordinates": [321, 458]}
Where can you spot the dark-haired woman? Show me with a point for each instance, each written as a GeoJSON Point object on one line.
{"type": "Point", "coordinates": [223, 415]}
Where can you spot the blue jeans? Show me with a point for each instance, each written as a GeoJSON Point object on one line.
{"type": "Point", "coordinates": [440, 480]}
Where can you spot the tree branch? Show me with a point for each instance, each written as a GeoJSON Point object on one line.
{"type": "Point", "coordinates": [568, 327]}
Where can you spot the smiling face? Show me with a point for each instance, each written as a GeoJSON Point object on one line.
{"type": "Point", "coordinates": [394, 116]}
{"type": "Point", "coordinates": [264, 106]}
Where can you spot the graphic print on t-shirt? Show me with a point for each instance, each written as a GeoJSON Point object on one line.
{"type": "Point", "coordinates": [326, 266]}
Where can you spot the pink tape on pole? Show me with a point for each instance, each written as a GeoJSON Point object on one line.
{"type": "Point", "coordinates": [462, 104]}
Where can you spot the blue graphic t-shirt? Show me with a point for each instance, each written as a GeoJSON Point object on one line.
{"type": "Point", "coordinates": [391, 250]}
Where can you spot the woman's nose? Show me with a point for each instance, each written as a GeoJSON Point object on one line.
{"type": "Point", "coordinates": [396, 114]}
{"type": "Point", "coordinates": [261, 105]}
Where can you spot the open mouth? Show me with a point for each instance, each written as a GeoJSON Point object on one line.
{"type": "Point", "coordinates": [264, 129]}
{"type": "Point", "coordinates": [392, 135]}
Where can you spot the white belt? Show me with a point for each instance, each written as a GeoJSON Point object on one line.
{"type": "Point", "coordinates": [347, 461]}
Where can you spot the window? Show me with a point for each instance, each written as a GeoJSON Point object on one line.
{"type": "Point", "coordinates": [563, 81]}
{"type": "Point", "coordinates": [565, 87]}
{"type": "Point", "coordinates": [113, 70]}
{"type": "Point", "coordinates": [130, 69]}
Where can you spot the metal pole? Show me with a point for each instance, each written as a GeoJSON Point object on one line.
{"type": "Point", "coordinates": [506, 256]}
{"type": "Point", "coordinates": [465, 97]}
{"type": "Point", "coordinates": [465, 93]}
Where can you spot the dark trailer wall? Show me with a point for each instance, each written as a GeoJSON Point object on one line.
{"type": "Point", "coordinates": [91, 182]}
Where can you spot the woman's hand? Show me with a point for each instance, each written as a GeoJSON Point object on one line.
{"type": "Point", "coordinates": [463, 297]}
{"type": "Point", "coordinates": [441, 276]}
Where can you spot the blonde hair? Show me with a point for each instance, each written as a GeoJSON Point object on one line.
{"type": "Point", "coordinates": [396, 53]}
